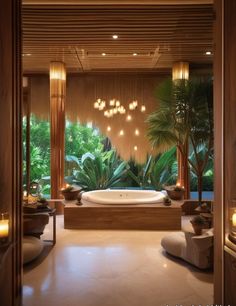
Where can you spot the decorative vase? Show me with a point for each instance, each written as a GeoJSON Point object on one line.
{"type": "Point", "coordinates": [175, 194]}
{"type": "Point", "coordinates": [197, 228]}
{"type": "Point", "coordinates": [71, 195]}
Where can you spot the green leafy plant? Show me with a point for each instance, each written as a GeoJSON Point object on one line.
{"type": "Point", "coordinates": [184, 116]}
{"type": "Point", "coordinates": [100, 171]}
{"type": "Point", "coordinates": [157, 171]}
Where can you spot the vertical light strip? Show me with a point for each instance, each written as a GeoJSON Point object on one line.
{"type": "Point", "coordinates": [180, 71]}
{"type": "Point", "coordinates": [57, 120]}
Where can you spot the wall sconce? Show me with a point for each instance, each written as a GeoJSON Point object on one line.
{"type": "Point", "coordinates": [180, 71]}
{"type": "Point", "coordinates": [4, 229]}
{"type": "Point", "coordinates": [232, 234]}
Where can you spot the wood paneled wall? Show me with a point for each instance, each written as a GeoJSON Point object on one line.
{"type": "Point", "coordinates": [10, 149]}
{"type": "Point", "coordinates": [81, 93]}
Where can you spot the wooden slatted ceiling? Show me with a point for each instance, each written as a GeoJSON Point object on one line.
{"type": "Point", "coordinates": [79, 34]}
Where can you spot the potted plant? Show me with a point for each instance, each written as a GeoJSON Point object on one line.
{"type": "Point", "coordinates": [70, 193]}
{"type": "Point", "coordinates": [175, 192]}
{"type": "Point", "coordinates": [198, 224]}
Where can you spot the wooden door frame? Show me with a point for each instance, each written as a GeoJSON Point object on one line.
{"type": "Point", "coordinates": [10, 150]}
{"type": "Point", "coordinates": [12, 181]}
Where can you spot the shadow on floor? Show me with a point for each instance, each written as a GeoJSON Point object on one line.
{"type": "Point", "coordinates": [205, 275]}
{"type": "Point", "coordinates": [33, 264]}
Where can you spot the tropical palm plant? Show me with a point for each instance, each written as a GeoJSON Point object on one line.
{"type": "Point", "coordinates": [100, 171]}
{"type": "Point", "coordinates": [184, 116]}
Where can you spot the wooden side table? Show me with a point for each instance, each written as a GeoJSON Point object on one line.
{"type": "Point", "coordinates": [52, 213]}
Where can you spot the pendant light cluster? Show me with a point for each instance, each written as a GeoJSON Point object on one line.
{"type": "Point", "coordinates": [115, 107]}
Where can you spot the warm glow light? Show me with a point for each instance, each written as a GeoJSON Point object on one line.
{"type": "Point", "coordinates": [180, 71]}
{"type": "Point", "coordinates": [117, 103]}
{"type": "Point", "coordinates": [143, 108]}
{"type": "Point", "coordinates": [108, 128]}
{"type": "Point", "coordinates": [234, 219]}
{"type": "Point", "coordinates": [112, 102]}
{"type": "Point", "coordinates": [178, 184]}
{"type": "Point", "coordinates": [128, 118]}
{"type": "Point", "coordinates": [4, 228]}
{"type": "Point", "coordinates": [208, 52]}
{"type": "Point", "coordinates": [57, 71]}
{"type": "Point", "coordinates": [135, 54]}
{"type": "Point", "coordinates": [136, 132]}
{"type": "Point", "coordinates": [103, 54]}
{"type": "Point", "coordinates": [96, 105]}
{"type": "Point", "coordinates": [121, 133]}
{"type": "Point", "coordinates": [135, 148]}
{"type": "Point", "coordinates": [115, 36]}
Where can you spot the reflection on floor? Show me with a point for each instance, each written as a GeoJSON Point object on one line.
{"type": "Point", "coordinates": [113, 268]}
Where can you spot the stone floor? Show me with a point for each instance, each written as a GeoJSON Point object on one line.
{"type": "Point", "coordinates": [112, 268]}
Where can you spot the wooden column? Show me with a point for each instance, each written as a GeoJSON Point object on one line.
{"type": "Point", "coordinates": [180, 71]}
{"type": "Point", "coordinates": [225, 150]}
{"type": "Point", "coordinates": [27, 113]}
{"type": "Point", "coordinates": [57, 114]}
{"type": "Point", "coordinates": [10, 150]}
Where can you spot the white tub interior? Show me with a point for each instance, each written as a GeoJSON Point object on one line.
{"type": "Point", "coordinates": [122, 197]}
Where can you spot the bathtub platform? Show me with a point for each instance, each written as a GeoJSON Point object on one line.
{"type": "Point", "coordinates": [133, 217]}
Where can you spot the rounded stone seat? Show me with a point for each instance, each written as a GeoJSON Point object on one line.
{"type": "Point", "coordinates": [197, 250]}
{"type": "Point", "coordinates": [32, 247]}
{"type": "Point", "coordinates": [174, 243]}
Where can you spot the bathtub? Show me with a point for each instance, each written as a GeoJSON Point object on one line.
{"type": "Point", "coordinates": [122, 197]}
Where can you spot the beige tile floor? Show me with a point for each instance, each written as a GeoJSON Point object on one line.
{"type": "Point", "coordinates": [113, 268]}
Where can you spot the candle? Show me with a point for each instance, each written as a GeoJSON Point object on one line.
{"type": "Point", "coordinates": [4, 228]}
{"type": "Point", "coordinates": [234, 219]}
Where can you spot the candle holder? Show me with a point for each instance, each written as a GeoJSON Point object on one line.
{"type": "Point", "coordinates": [4, 229]}
{"type": "Point", "coordinates": [232, 234]}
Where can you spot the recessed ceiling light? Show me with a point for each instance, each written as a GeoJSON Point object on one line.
{"type": "Point", "coordinates": [135, 54]}
{"type": "Point", "coordinates": [26, 54]}
{"type": "Point", "coordinates": [208, 53]}
{"type": "Point", "coordinates": [103, 54]}
{"type": "Point", "coordinates": [108, 128]}
{"type": "Point", "coordinates": [135, 148]}
{"type": "Point", "coordinates": [115, 36]}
